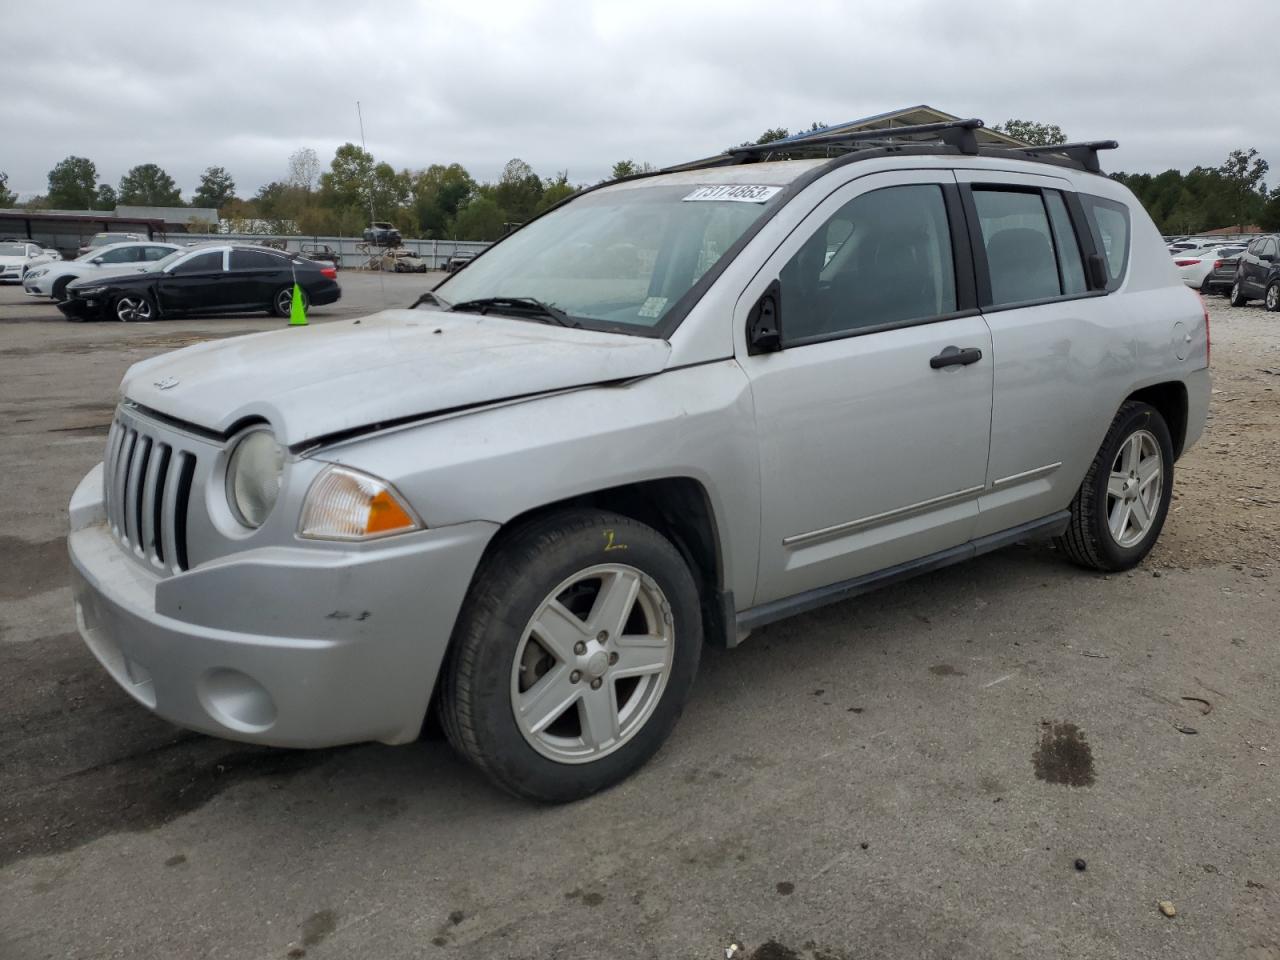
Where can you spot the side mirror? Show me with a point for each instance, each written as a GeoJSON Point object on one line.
{"type": "Point", "coordinates": [97, 260]}
{"type": "Point", "coordinates": [764, 322]}
{"type": "Point", "coordinates": [1097, 269]}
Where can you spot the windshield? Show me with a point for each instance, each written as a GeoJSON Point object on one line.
{"type": "Point", "coordinates": [13, 249]}
{"type": "Point", "coordinates": [616, 258]}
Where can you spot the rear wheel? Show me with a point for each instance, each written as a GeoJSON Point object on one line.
{"type": "Point", "coordinates": [1238, 299]}
{"type": "Point", "coordinates": [1272, 299]}
{"type": "Point", "coordinates": [573, 656]}
{"type": "Point", "coordinates": [282, 302]}
{"type": "Point", "coordinates": [1121, 506]}
{"type": "Point", "coordinates": [134, 308]}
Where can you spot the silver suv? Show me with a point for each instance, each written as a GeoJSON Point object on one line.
{"type": "Point", "coordinates": [671, 410]}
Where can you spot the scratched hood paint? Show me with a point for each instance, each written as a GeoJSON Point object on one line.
{"type": "Point", "coordinates": [313, 381]}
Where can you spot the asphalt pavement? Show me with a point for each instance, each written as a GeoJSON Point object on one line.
{"type": "Point", "coordinates": [1008, 758]}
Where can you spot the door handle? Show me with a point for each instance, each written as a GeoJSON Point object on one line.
{"type": "Point", "coordinates": [955, 357]}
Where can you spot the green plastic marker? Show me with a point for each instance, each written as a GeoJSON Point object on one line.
{"type": "Point", "coordinates": [297, 312]}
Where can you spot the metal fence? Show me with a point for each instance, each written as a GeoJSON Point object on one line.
{"type": "Point", "coordinates": [354, 252]}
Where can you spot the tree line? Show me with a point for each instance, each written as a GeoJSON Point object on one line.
{"type": "Point", "coordinates": [444, 201]}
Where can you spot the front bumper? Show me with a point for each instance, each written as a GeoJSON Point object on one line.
{"type": "Point", "coordinates": [83, 308]}
{"type": "Point", "coordinates": [289, 646]}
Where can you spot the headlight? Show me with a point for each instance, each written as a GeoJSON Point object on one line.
{"type": "Point", "coordinates": [37, 273]}
{"type": "Point", "coordinates": [345, 504]}
{"type": "Point", "coordinates": [90, 291]}
{"type": "Point", "coordinates": [253, 476]}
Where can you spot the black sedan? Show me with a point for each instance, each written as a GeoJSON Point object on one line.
{"type": "Point", "coordinates": [227, 278]}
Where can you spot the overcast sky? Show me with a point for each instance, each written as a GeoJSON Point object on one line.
{"type": "Point", "coordinates": [576, 86]}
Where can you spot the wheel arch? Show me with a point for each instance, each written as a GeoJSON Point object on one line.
{"type": "Point", "coordinates": [1170, 398]}
{"type": "Point", "coordinates": [679, 508]}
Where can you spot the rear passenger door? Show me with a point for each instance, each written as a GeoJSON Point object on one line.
{"type": "Point", "coordinates": [1256, 265]}
{"type": "Point", "coordinates": [1031, 237]}
{"type": "Point", "coordinates": [872, 419]}
{"type": "Point", "coordinates": [255, 274]}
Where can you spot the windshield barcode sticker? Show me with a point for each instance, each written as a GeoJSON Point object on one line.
{"type": "Point", "coordinates": [741, 192]}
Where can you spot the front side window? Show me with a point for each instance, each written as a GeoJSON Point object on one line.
{"type": "Point", "coordinates": [1019, 245]}
{"type": "Point", "coordinates": [619, 258]}
{"type": "Point", "coordinates": [884, 258]}
{"type": "Point", "coordinates": [1110, 224]}
{"type": "Point", "coordinates": [200, 263]}
{"type": "Point", "coordinates": [120, 255]}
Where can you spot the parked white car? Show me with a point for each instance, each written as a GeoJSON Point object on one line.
{"type": "Point", "coordinates": [50, 280]}
{"type": "Point", "coordinates": [106, 239]}
{"type": "Point", "coordinates": [18, 256]}
{"type": "Point", "coordinates": [1196, 267]}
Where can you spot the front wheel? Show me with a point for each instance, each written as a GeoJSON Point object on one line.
{"type": "Point", "coordinates": [1272, 299]}
{"type": "Point", "coordinates": [1121, 506]}
{"type": "Point", "coordinates": [573, 657]}
{"type": "Point", "coordinates": [134, 308]}
{"type": "Point", "coordinates": [1238, 299]}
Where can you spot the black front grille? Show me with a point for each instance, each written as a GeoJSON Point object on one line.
{"type": "Point", "coordinates": [148, 492]}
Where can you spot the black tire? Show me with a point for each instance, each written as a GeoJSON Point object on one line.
{"type": "Point", "coordinates": [60, 288]}
{"type": "Point", "coordinates": [282, 301]}
{"type": "Point", "coordinates": [475, 705]}
{"type": "Point", "coordinates": [1237, 297]}
{"type": "Point", "coordinates": [1272, 299]}
{"type": "Point", "coordinates": [1088, 540]}
{"type": "Point", "coordinates": [1206, 287]}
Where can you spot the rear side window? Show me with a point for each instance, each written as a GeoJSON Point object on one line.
{"type": "Point", "coordinates": [254, 260]}
{"type": "Point", "coordinates": [1070, 263]}
{"type": "Point", "coordinates": [884, 258]}
{"type": "Point", "coordinates": [155, 253]}
{"type": "Point", "coordinates": [1110, 224]}
{"type": "Point", "coordinates": [1019, 245]}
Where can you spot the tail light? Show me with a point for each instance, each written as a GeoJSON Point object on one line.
{"type": "Point", "coordinates": [1186, 263]}
{"type": "Point", "coordinates": [1217, 264]}
{"type": "Point", "coordinates": [329, 272]}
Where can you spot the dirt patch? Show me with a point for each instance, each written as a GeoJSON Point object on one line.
{"type": "Point", "coordinates": [946, 670]}
{"type": "Point", "coordinates": [79, 759]}
{"type": "Point", "coordinates": [1064, 756]}
{"type": "Point", "coordinates": [30, 568]}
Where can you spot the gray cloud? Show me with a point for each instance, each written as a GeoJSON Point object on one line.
{"type": "Point", "coordinates": [576, 85]}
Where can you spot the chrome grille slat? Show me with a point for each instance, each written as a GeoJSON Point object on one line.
{"type": "Point", "coordinates": [124, 455]}
{"type": "Point", "coordinates": [168, 505]}
{"type": "Point", "coordinates": [132, 492]}
{"type": "Point", "coordinates": [147, 478]}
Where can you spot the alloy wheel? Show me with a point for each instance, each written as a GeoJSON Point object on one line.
{"type": "Point", "coordinates": [1134, 488]}
{"type": "Point", "coordinates": [133, 309]}
{"type": "Point", "coordinates": [592, 663]}
{"type": "Point", "coordinates": [1273, 297]}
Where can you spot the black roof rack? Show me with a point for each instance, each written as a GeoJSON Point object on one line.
{"type": "Point", "coordinates": [947, 137]}
{"type": "Point", "coordinates": [955, 133]}
{"type": "Point", "coordinates": [1084, 153]}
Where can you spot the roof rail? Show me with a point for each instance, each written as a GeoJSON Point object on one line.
{"type": "Point", "coordinates": [955, 133]}
{"type": "Point", "coordinates": [1084, 153]}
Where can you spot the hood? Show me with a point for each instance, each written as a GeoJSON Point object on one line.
{"type": "Point", "coordinates": [12, 261]}
{"type": "Point", "coordinates": [314, 381]}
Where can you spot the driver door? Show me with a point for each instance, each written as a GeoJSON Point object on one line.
{"type": "Point", "coordinates": [194, 284]}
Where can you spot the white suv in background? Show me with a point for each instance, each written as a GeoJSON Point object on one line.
{"type": "Point", "coordinates": [50, 280]}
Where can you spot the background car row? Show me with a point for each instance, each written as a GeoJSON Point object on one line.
{"type": "Point", "coordinates": [208, 278]}
{"type": "Point", "coordinates": [52, 279]}
{"type": "Point", "coordinates": [19, 255]}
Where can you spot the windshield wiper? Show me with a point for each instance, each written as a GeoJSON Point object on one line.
{"type": "Point", "coordinates": [518, 306]}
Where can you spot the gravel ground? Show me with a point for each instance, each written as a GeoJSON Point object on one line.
{"type": "Point", "coordinates": [914, 773]}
